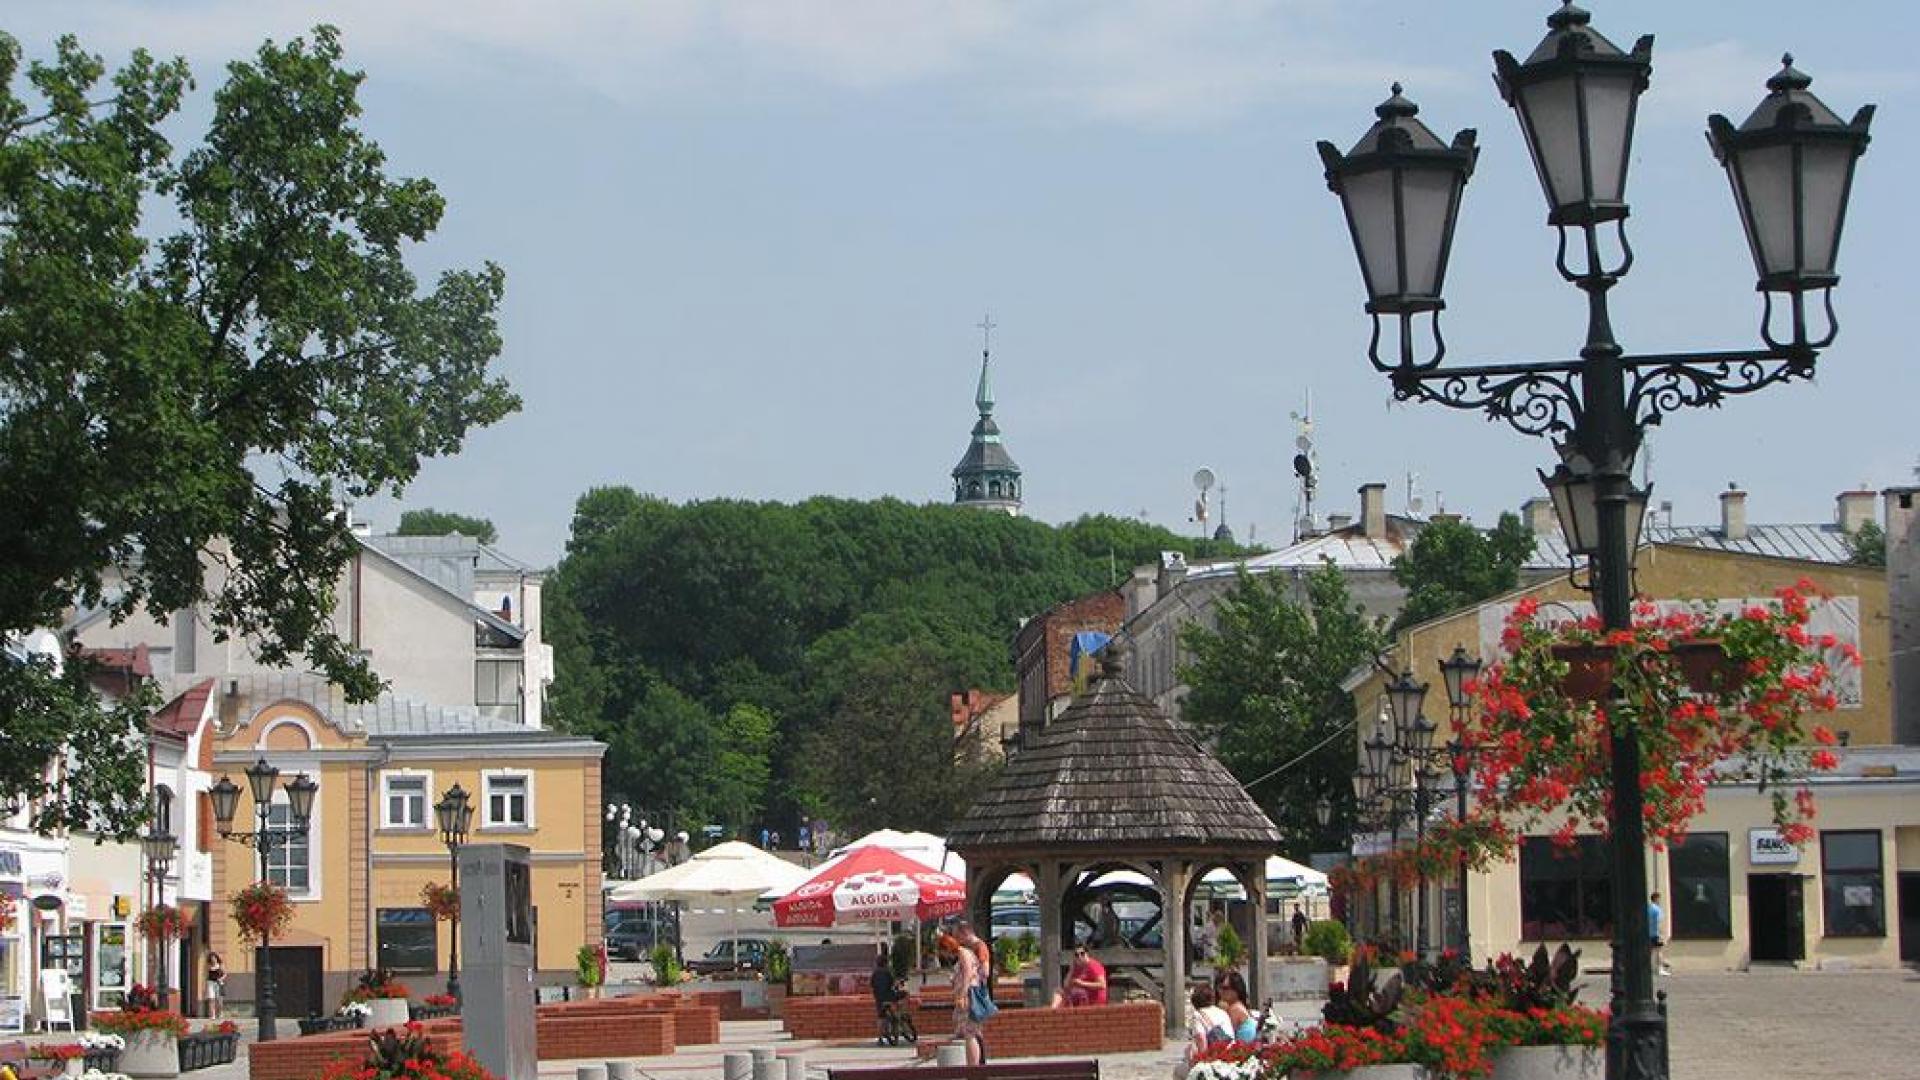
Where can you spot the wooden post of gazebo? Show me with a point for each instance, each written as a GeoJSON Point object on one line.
{"type": "Point", "coordinates": [1173, 939]}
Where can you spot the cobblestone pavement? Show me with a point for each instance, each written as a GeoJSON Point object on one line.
{"type": "Point", "coordinates": [1761, 1025]}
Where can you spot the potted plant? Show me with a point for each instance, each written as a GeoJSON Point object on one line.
{"type": "Point", "coordinates": [261, 911]}
{"type": "Point", "coordinates": [103, 1049]}
{"type": "Point", "coordinates": [152, 1033]}
{"type": "Point", "coordinates": [666, 966]}
{"type": "Point", "coordinates": [71, 1056]}
{"type": "Point", "coordinates": [435, 1006]}
{"type": "Point", "coordinates": [1544, 1034]}
{"type": "Point", "coordinates": [590, 967]}
{"type": "Point", "coordinates": [1328, 939]}
{"type": "Point", "coordinates": [405, 1054]}
{"type": "Point", "coordinates": [441, 901]}
{"type": "Point", "coordinates": [384, 996]}
{"type": "Point", "coordinates": [163, 923]}
{"type": "Point", "coordinates": [779, 968]}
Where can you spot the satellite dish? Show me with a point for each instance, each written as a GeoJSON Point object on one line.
{"type": "Point", "coordinates": [1203, 479]}
{"type": "Point", "coordinates": [1302, 466]}
{"type": "Point", "coordinates": [1303, 444]}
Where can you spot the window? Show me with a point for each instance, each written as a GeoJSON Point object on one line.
{"type": "Point", "coordinates": [287, 863]}
{"type": "Point", "coordinates": [404, 805]}
{"type": "Point", "coordinates": [1699, 871]}
{"type": "Point", "coordinates": [1851, 884]}
{"type": "Point", "coordinates": [1565, 893]}
{"type": "Point", "coordinates": [163, 808]}
{"type": "Point", "coordinates": [407, 940]}
{"type": "Point", "coordinates": [496, 682]}
{"type": "Point", "coordinates": [508, 801]}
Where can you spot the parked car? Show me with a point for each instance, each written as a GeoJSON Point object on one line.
{"type": "Point", "coordinates": [633, 939]}
{"type": "Point", "coordinates": [1016, 921]}
{"type": "Point", "coordinates": [752, 956]}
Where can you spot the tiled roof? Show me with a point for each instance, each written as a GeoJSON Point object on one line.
{"type": "Point", "coordinates": [182, 715]}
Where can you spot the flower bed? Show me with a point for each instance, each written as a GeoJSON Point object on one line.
{"type": "Point", "coordinates": [206, 1049]}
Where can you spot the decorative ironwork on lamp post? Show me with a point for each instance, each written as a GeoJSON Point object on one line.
{"type": "Point", "coordinates": [454, 814]}
{"type": "Point", "coordinates": [225, 795]}
{"type": "Point", "coordinates": [1791, 167]}
{"type": "Point", "coordinates": [1458, 673]}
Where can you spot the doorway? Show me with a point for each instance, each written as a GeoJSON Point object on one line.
{"type": "Point", "coordinates": [1909, 916]}
{"type": "Point", "coordinates": [1776, 918]}
{"type": "Point", "coordinates": [296, 981]}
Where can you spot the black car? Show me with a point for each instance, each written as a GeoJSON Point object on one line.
{"type": "Point", "coordinates": [752, 956]}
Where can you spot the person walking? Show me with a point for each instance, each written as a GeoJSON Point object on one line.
{"type": "Point", "coordinates": [1299, 927]}
{"type": "Point", "coordinates": [216, 978]}
{"type": "Point", "coordinates": [1654, 917]}
{"type": "Point", "coordinates": [968, 973]}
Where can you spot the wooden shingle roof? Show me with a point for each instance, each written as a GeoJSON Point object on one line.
{"type": "Point", "coordinates": [1113, 771]}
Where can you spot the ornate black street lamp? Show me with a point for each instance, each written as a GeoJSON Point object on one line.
{"type": "Point", "coordinates": [1458, 672]}
{"type": "Point", "coordinates": [158, 848]}
{"type": "Point", "coordinates": [1791, 166]}
{"type": "Point", "coordinates": [454, 814]}
{"type": "Point", "coordinates": [225, 795]}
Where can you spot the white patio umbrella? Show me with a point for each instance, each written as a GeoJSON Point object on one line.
{"type": "Point", "coordinates": [728, 875]}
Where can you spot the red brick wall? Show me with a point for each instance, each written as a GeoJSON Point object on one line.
{"type": "Point", "coordinates": [1096, 1029]}
{"type": "Point", "coordinates": [606, 1034]}
{"type": "Point", "coordinates": [1046, 641]}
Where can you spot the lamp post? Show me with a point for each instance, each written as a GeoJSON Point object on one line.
{"type": "Point", "coordinates": [158, 848]}
{"type": "Point", "coordinates": [454, 814]}
{"type": "Point", "coordinates": [1458, 672]}
{"type": "Point", "coordinates": [225, 795]}
{"type": "Point", "coordinates": [1790, 165]}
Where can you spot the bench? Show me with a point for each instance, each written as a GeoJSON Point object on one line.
{"type": "Point", "coordinates": [993, 1070]}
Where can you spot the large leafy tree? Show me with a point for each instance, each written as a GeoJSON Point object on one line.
{"type": "Point", "coordinates": [202, 355]}
{"type": "Point", "coordinates": [431, 522]}
{"type": "Point", "coordinates": [1451, 564]}
{"type": "Point", "coordinates": [1265, 687]}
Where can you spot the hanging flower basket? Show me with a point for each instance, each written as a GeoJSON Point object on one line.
{"type": "Point", "coordinates": [1701, 662]}
{"type": "Point", "coordinates": [441, 901]}
{"type": "Point", "coordinates": [261, 910]}
{"type": "Point", "coordinates": [163, 923]}
{"type": "Point", "coordinates": [7, 903]}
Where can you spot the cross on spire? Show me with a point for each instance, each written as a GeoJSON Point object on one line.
{"type": "Point", "coordinates": [986, 326]}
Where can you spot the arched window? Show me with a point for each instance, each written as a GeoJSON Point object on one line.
{"type": "Point", "coordinates": [163, 808]}
{"type": "Point", "coordinates": [973, 489]}
{"type": "Point", "coordinates": [993, 488]}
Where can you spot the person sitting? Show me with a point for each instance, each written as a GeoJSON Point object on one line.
{"type": "Point", "coordinates": [1086, 982]}
{"type": "Point", "coordinates": [1231, 990]}
{"type": "Point", "coordinates": [1207, 1026]}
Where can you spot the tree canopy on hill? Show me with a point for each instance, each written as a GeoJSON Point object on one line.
{"type": "Point", "coordinates": [431, 522]}
{"type": "Point", "coordinates": [666, 617]}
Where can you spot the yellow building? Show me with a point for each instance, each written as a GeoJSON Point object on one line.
{"type": "Point", "coordinates": [1732, 895]}
{"type": "Point", "coordinates": [357, 877]}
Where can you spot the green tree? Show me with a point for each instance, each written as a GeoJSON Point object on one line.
{"type": "Point", "coordinates": [56, 716]}
{"type": "Point", "coordinates": [206, 385]}
{"type": "Point", "coordinates": [1451, 564]}
{"type": "Point", "coordinates": [744, 739]}
{"type": "Point", "coordinates": [1265, 687]}
{"type": "Point", "coordinates": [431, 522]}
{"type": "Point", "coordinates": [1869, 545]}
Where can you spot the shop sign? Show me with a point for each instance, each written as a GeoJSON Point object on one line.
{"type": "Point", "coordinates": [1766, 847]}
{"type": "Point", "coordinates": [9, 862]}
{"type": "Point", "coordinates": [77, 906]}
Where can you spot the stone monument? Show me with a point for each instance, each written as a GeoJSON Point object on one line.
{"type": "Point", "coordinates": [496, 943]}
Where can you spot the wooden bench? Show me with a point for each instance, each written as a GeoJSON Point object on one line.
{"type": "Point", "coordinates": [993, 1070]}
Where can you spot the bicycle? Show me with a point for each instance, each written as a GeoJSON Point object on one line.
{"type": "Point", "coordinates": [896, 1023]}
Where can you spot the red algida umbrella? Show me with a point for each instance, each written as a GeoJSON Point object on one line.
{"type": "Point", "coordinates": [872, 884]}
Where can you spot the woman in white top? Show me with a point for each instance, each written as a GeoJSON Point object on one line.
{"type": "Point", "coordinates": [1207, 1024]}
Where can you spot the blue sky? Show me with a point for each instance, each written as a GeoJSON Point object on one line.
{"type": "Point", "coordinates": [747, 241]}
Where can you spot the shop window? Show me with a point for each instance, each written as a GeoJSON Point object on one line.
{"type": "Point", "coordinates": [1565, 892]}
{"type": "Point", "coordinates": [1852, 883]}
{"type": "Point", "coordinates": [1700, 904]}
{"type": "Point", "coordinates": [407, 940]}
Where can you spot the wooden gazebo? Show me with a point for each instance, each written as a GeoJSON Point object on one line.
{"type": "Point", "coordinates": [1114, 783]}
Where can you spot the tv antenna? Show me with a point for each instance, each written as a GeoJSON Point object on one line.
{"type": "Point", "coordinates": [1202, 480]}
{"type": "Point", "coordinates": [1306, 469]}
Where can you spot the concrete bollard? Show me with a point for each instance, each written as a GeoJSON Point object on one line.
{"type": "Point", "coordinates": [590, 1072]}
{"type": "Point", "coordinates": [951, 1054]}
{"type": "Point", "coordinates": [770, 1069]}
{"type": "Point", "coordinates": [796, 1067]}
{"type": "Point", "coordinates": [620, 1070]}
{"type": "Point", "coordinates": [736, 1066]}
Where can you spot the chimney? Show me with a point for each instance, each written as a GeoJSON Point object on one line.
{"type": "Point", "coordinates": [1902, 522]}
{"type": "Point", "coordinates": [1852, 510]}
{"type": "Point", "coordinates": [1733, 514]}
{"type": "Point", "coordinates": [1537, 514]}
{"type": "Point", "coordinates": [1142, 590]}
{"type": "Point", "coordinates": [1373, 511]}
{"type": "Point", "coordinates": [1336, 522]}
{"type": "Point", "coordinates": [1173, 570]}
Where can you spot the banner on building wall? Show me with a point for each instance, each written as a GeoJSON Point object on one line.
{"type": "Point", "coordinates": [1836, 615]}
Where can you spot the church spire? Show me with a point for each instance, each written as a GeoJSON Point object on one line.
{"type": "Point", "coordinates": [986, 476]}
